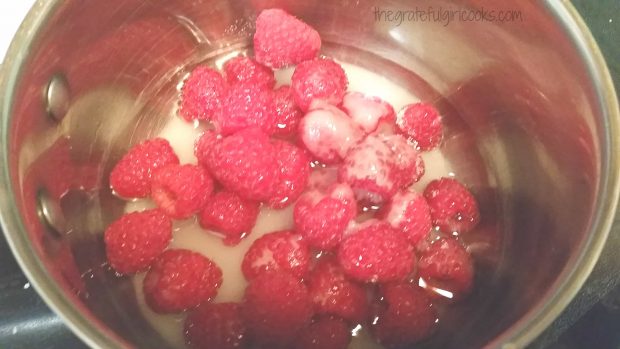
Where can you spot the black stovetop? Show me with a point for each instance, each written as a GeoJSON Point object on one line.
{"type": "Point", "coordinates": [591, 320]}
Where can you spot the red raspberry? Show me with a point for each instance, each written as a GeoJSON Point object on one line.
{"type": "Point", "coordinates": [179, 280]}
{"type": "Point", "coordinates": [131, 177]}
{"type": "Point", "coordinates": [321, 218]}
{"type": "Point", "coordinates": [247, 70]}
{"type": "Point", "coordinates": [202, 94]}
{"type": "Point", "coordinates": [376, 253]}
{"type": "Point", "coordinates": [293, 172]}
{"type": "Point", "coordinates": [334, 294]}
{"type": "Point", "coordinates": [453, 207]}
{"type": "Point", "coordinates": [367, 111]}
{"type": "Point", "coordinates": [328, 133]}
{"type": "Point", "coordinates": [422, 123]}
{"type": "Point", "coordinates": [134, 241]}
{"type": "Point", "coordinates": [181, 190]}
{"type": "Point", "coordinates": [276, 307]}
{"type": "Point", "coordinates": [288, 113]}
{"type": "Point", "coordinates": [281, 40]}
{"type": "Point", "coordinates": [379, 166]}
{"type": "Point", "coordinates": [215, 326]}
{"type": "Point", "coordinates": [244, 163]}
{"type": "Point", "coordinates": [247, 105]}
{"type": "Point", "coordinates": [228, 214]}
{"type": "Point", "coordinates": [325, 333]}
{"type": "Point", "coordinates": [279, 251]}
{"type": "Point", "coordinates": [320, 79]}
{"type": "Point", "coordinates": [408, 212]}
{"type": "Point", "coordinates": [446, 265]}
{"type": "Point", "coordinates": [407, 316]}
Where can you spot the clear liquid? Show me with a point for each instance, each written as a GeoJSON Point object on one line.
{"type": "Point", "coordinates": [189, 235]}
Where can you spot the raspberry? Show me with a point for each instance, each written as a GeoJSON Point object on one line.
{"type": "Point", "coordinates": [247, 70]}
{"type": "Point", "coordinates": [376, 253]}
{"type": "Point", "coordinates": [247, 105]}
{"type": "Point", "coordinates": [406, 317]}
{"type": "Point", "coordinates": [276, 307]}
{"type": "Point", "coordinates": [230, 215]}
{"type": "Point", "coordinates": [422, 123]}
{"type": "Point", "coordinates": [215, 326]}
{"type": "Point", "coordinates": [179, 280]}
{"type": "Point", "coordinates": [131, 177]}
{"type": "Point", "coordinates": [319, 79]}
{"type": "Point", "coordinates": [367, 111]}
{"type": "Point", "coordinates": [134, 241]}
{"type": "Point", "coordinates": [453, 207]}
{"type": "Point", "coordinates": [333, 294]}
{"type": "Point", "coordinates": [325, 333]}
{"type": "Point", "coordinates": [379, 166]}
{"type": "Point", "coordinates": [279, 251]}
{"type": "Point", "coordinates": [244, 163]}
{"type": "Point", "coordinates": [328, 133]}
{"type": "Point", "coordinates": [321, 218]}
{"type": "Point", "coordinates": [446, 265]}
{"type": "Point", "coordinates": [202, 94]}
{"type": "Point", "coordinates": [408, 212]}
{"type": "Point", "coordinates": [281, 40]}
{"type": "Point", "coordinates": [288, 114]}
{"type": "Point", "coordinates": [181, 190]}
{"type": "Point", "coordinates": [293, 172]}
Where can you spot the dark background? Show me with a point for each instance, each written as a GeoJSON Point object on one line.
{"type": "Point", "coordinates": [592, 320]}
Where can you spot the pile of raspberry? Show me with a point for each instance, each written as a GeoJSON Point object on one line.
{"type": "Point", "coordinates": [365, 248]}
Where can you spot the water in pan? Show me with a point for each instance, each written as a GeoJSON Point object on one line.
{"type": "Point", "coordinates": [397, 86]}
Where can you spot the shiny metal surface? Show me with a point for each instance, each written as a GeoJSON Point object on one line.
{"type": "Point", "coordinates": [57, 97]}
{"type": "Point", "coordinates": [536, 94]}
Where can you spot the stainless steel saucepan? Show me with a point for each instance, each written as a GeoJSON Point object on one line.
{"type": "Point", "coordinates": [84, 80]}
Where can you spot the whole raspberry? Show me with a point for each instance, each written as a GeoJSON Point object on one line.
{"type": "Point", "coordinates": [367, 111]}
{"type": "Point", "coordinates": [131, 176]}
{"type": "Point", "coordinates": [320, 79]}
{"type": "Point", "coordinates": [376, 253]}
{"type": "Point", "coordinates": [247, 70]}
{"type": "Point", "coordinates": [279, 251]}
{"type": "Point", "coordinates": [276, 307]}
{"type": "Point", "coordinates": [229, 214]}
{"type": "Point", "coordinates": [288, 114]}
{"type": "Point", "coordinates": [407, 316]}
{"type": "Point", "coordinates": [293, 172]}
{"type": "Point", "coordinates": [247, 105]}
{"type": "Point", "coordinates": [453, 207]}
{"type": "Point", "coordinates": [325, 333]}
{"type": "Point", "coordinates": [281, 40]}
{"type": "Point", "coordinates": [446, 265]}
{"type": "Point", "coordinates": [321, 218]}
{"type": "Point", "coordinates": [334, 294]}
{"type": "Point", "coordinates": [422, 123]}
{"type": "Point", "coordinates": [181, 190]}
{"type": "Point", "coordinates": [134, 241]}
{"type": "Point", "coordinates": [379, 166]}
{"type": "Point", "coordinates": [244, 163]}
{"type": "Point", "coordinates": [215, 326]}
{"type": "Point", "coordinates": [408, 212]}
{"type": "Point", "coordinates": [180, 280]}
{"type": "Point", "coordinates": [328, 133]}
{"type": "Point", "coordinates": [202, 94]}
